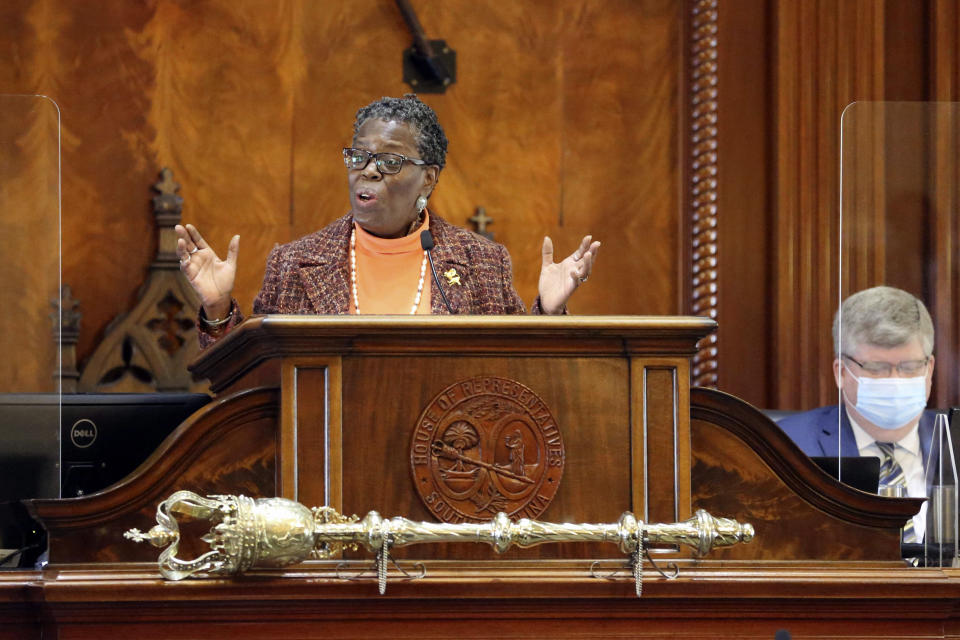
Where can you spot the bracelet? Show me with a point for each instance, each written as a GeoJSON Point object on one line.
{"type": "Point", "coordinates": [219, 322]}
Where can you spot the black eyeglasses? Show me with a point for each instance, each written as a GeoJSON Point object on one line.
{"type": "Point", "coordinates": [357, 159]}
{"type": "Point", "coordinates": [908, 368]}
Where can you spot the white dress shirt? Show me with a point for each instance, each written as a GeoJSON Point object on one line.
{"type": "Point", "coordinates": [907, 453]}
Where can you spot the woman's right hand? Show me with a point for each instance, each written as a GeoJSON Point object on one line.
{"type": "Point", "coordinates": [211, 277]}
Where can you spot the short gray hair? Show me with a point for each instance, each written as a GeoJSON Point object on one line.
{"type": "Point", "coordinates": [431, 140]}
{"type": "Point", "coordinates": [883, 317]}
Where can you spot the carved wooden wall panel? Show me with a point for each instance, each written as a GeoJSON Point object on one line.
{"type": "Point", "coordinates": [29, 236]}
{"type": "Point", "coordinates": [788, 70]}
{"type": "Point", "coordinates": [249, 103]}
{"type": "Point", "coordinates": [566, 118]}
{"type": "Point", "coordinates": [829, 54]}
{"type": "Point", "coordinates": [945, 205]}
{"type": "Point", "coordinates": [744, 198]}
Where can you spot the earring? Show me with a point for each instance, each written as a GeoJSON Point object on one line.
{"type": "Point", "coordinates": [421, 204]}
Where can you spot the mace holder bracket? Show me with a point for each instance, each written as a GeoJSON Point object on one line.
{"type": "Point", "coordinates": [378, 569]}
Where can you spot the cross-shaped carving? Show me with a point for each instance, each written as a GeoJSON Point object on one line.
{"type": "Point", "coordinates": [166, 183]}
{"type": "Point", "coordinates": [66, 315]}
{"type": "Point", "coordinates": [171, 325]}
{"type": "Point", "coordinates": [168, 201]}
{"type": "Point", "coordinates": [480, 219]}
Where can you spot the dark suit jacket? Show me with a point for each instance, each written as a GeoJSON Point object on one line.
{"type": "Point", "coordinates": [312, 275]}
{"type": "Point", "coordinates": [815, 432]}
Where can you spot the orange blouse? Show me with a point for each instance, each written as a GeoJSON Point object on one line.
{"type": "Point", "coordinates": [388, 272]}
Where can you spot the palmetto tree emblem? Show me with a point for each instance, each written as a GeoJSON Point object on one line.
{"type": "Point", "coordinates": [461, 435]}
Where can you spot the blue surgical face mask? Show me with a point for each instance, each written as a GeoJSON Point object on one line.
{"type": "Point", "coordinates": [890, 403]}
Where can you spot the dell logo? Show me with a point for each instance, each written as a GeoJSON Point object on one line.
{"type": "Point", "coordinates": [83, 433]}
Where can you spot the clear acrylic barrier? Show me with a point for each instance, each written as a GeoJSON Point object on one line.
{"type": "Point", "coordinates": [900, 171]}
{"type": "Point", "coordinates": [940, 544]}
{"type": "Point", "coordinates": [30, 302]}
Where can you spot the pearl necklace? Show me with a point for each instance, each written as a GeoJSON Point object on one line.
{"type": "Point", "coordinates": [353, 276]}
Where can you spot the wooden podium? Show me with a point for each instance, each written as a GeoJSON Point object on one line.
{"type": "Point", "coordinates": [327, 411]}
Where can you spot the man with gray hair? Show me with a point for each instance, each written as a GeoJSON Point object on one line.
{"type": "Point", "coordinates": [883, 338]}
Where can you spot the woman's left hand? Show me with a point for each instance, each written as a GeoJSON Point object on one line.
{"type": "Point", "coordinates": [558, 280]}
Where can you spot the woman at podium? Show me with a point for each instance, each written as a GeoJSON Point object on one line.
{"type": "Point", "coordinates": [377, 258]}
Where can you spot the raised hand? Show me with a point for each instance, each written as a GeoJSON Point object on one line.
{"type": "Point", "coordinates": [211, 277]}
{"type": "Point", "coordinates": [558, 280]}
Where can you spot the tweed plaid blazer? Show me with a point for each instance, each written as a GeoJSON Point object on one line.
{"type": "Point", "coordinates": [312, 275]}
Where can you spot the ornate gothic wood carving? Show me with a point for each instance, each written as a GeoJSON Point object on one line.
{"type": "Point", "coordinates": [148, 348]}
{"type": "Point", "coordinates": [66, 318]}
{"type": "Point", "coordinates": [702, 92]}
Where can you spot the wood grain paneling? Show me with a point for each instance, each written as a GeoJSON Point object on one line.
{"type": "Point", "coordinates": [621, 83]}
{"type": "Point", "coordinates": [706, 602]}
{"type": "Point", "coordinates": [566, 118]}
{"type": "Point", "coordinates": [944, 238]}
{"type": "Point", "coordinates": [29, 242]}
{"type": "Point", "coordinates": [825, 559]}
{"type": "Point", "coordinates": [248, 103]}
{"type": "Point", "coordinates": [376, 436]}
{"type": "Point", "coordinates": [745, 174]}
{"type": "Point", "coordinates": [828, 55]}
{"type": "Point", "coordinates": [735, 447]}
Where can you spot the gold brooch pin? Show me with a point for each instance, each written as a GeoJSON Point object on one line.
{"type": "Point", "coordinates": [452, 277]}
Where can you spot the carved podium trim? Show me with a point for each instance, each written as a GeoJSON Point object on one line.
{"type": "Point", "coordinates": [667, 493]}
{"type": "Point", "coordinates": [301, 381]}
{"type": "Point", "coordinates": [246, 348]}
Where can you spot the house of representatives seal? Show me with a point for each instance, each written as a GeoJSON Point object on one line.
{"type": "Point", "coordinates": [484, 445]}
